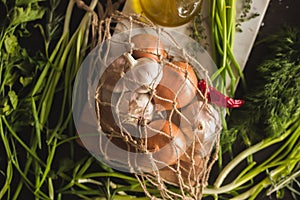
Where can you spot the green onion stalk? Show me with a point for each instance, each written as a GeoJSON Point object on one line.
{"type": "Point", "coordinates": [63, 64]}
{"type": "Point", "coordinates": [279, 169]}
{"type": "Point", "coordinates": [57, 75]}
{"type": "Point", "coordinates": [282, 167]}
{"type": "Point", "coordinates": [44, 79]}
{"type": "Point", "coordinates": [223, 28]}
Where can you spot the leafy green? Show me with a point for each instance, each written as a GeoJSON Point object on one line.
{"type": "Point", "coordinates": [269, 119]}
{"type": "Point", "coordinates": [11, 44]}
{"type": "Point", "coordinates": [17, 72]}
{"type": "Point", "coordinates": [35, 102]}
{"type": "Point", "coordinates": [26, 2]}
{"type": "Point", "coordinates": [13, 99]}
{"type": "Point", "coordinates": [272, 102]}
{"type": "Point", "coordinates": [25, 14]}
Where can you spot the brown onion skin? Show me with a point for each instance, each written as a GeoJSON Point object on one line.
{"type": "Point", "coordinates": [198, 149]}
{"type": "Point", "coordinates": [104, 93]}
{"type": "Point", "coordinates": [145, 45]}
{"type": "Point", "coordinates": [191, 163]}
{"type": "Point", "coordinates": [167, 147]}
{"type": "Point", "coordinates": [190, 174]}
{"type": "Point", "coordinates": [171, 83]}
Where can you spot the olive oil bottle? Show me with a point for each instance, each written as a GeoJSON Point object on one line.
{"type": "Point", "coordinates": [170, 13]}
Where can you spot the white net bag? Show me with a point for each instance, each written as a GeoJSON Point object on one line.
{"type": "Point", "coordinates": [138, 108]}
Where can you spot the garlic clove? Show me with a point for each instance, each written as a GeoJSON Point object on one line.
{"type": "Point", "coordinates": [141, 107]}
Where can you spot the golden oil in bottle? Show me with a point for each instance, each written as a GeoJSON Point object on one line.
{"type": "Point", "coordinates": [170, 13]}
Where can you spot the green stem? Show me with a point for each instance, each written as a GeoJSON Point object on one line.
{"type": "Point", "coordinates": [9, 168]}
{"type": "Point", "coordinates": [250, 151]}
{"type": "Point", "coordinates": [293, 132]}
{"type": "Point", "coordinates": [36, 123]}
{"type": "Point", "coordinates": [48, 166]}
{"type": "Point", "coordinates": [279, 186]}
{"type": "Point", "coordinates": [237, 67]}
{"type": "Point", "coordinates": [15, 135]}
{"type": "Point", "coordinates": [24, 172]}
{"type": "Point", "coordinates": [68, 16]}
{"type": "Point", "coordinates": [54, 81]}
{"type": "Point", "coordinates": [281, 171]}
{"type": "Point", "coordinates": [109, 174]}
{"type": "Point", "coordinates": [222, 7]}
{"type": "Point", "coordinates": [213, 30]}
{"type": "Point", "coordinates": [49, 92]}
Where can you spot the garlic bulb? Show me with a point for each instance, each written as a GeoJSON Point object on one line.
{"type": "Point", "coordinates": [132, 108]}
{"type": "Point", "coordinates": [204, 120]}
{"type": "Point", "coordinates": [127, 75]}
{"type": "Point", "coordinates": [142, 77]}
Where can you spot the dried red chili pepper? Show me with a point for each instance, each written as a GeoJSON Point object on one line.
{"type": "Point", "coordinates": [217, 98]}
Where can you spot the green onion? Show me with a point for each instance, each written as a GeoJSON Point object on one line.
{"type": "Point", "coordinates": [223, 23]}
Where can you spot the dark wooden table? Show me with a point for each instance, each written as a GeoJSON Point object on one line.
{"type": "Point", "coordinates": [279, 13]}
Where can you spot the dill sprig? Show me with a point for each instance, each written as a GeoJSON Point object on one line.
{"type": "Point", "coordinates": [269, 119]}
{"type": "Point", "coordinates": [272, 103]}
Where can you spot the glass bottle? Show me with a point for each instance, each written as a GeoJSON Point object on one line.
{"type": "Point", "coordinates": [170, 13]}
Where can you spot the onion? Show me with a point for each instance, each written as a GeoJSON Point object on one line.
{"type": "Point", "coordinates": [164, 143]}
{"type": "Point", "coordinates": [190, 173]}
{"type": "Point", "coordinates": [178, 85]}
{"type": "Point", "coordinates": [146, 46]}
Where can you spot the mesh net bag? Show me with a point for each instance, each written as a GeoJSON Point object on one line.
{"type": "Point", "coordinates": [140, 110]}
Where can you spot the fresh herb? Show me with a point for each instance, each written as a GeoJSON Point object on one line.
{"type": "Point", "coordinates": [223, 23]}
{"type": "Point", "coordinates": [28, 86]}
{"type": "Point", "coordinates": [198, 31]}
{"type": "Point", "coordinates": [245, 15]}
{"type": "Point", "coordinates": [37, 137]}
{"type": "Point", "coordinates": [274, 97]}
{"type": "Point", "coordinates": [17, 72]}
{"type": "Point", "coordinates": [270, 116]}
